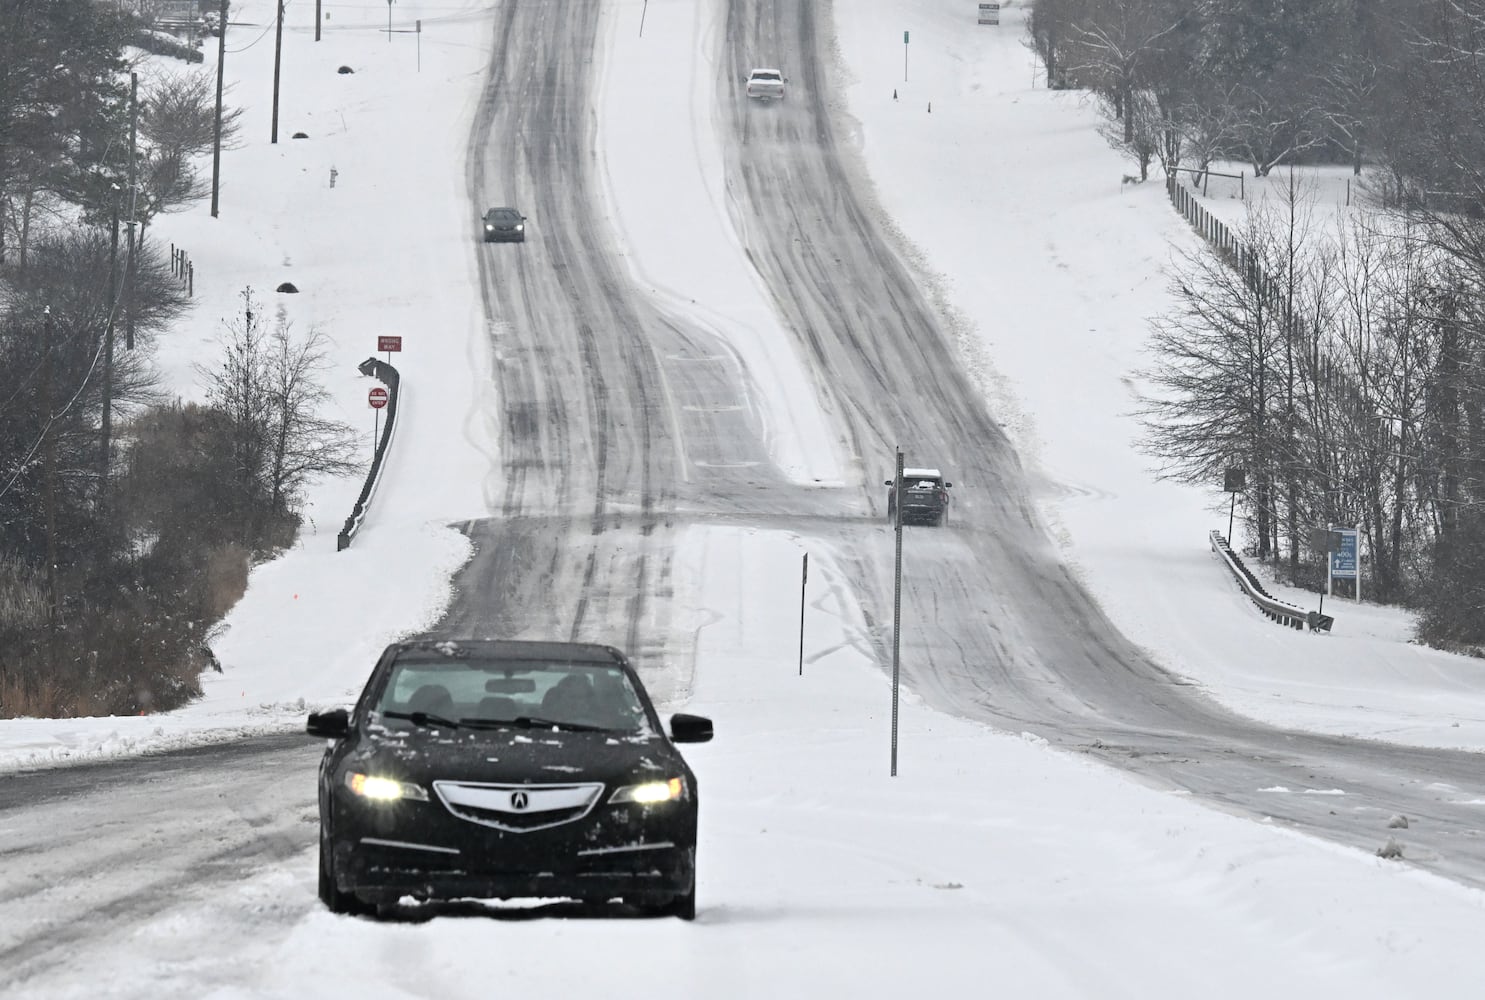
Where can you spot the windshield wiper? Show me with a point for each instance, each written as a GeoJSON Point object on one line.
{"type": "Point", "coordinates": [423, 719]}
{"type": "Point", "coordinates": [532, 722]}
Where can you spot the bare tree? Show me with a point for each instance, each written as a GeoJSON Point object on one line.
{"type": "Point", "coordinates": [177, 121]}
{"type": "Point", "coordinates": [303, 443]}
{"type": "Point", "coordinates": [1216, 397]}
{"type": "Point", "coordinates": [268, 384]}
{"type": "Point", "coordinates": [178, 113]}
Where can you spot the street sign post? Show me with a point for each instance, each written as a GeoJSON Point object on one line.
{"type": "Point", "coordinates": [1344, 559]}
{"type": "Point", "coordinates": [376, 398]}
{"type": "Point", "coordinates": [1234, 481]}
{"type": "Point", "coordinates": [389, 343]}
{"type": "Point", "coordinates": [896, 598]}
{"type": "Point", "coordinates": [989, 13]}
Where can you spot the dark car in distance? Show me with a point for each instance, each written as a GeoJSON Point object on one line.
{"type": "Point", "coordinates": [924, 497]}
{"type": "Point", "coordinates": [494, 769]}
{"type": "Point", "coordinates": [504, 225]}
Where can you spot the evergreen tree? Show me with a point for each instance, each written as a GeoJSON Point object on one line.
{"type": "Point", "coordinates": [63, 107]}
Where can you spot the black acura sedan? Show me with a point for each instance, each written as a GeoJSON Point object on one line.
{"type": "Point", "coordinates": [492, 769]}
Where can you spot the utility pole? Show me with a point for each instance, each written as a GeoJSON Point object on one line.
{"type": "Point", "coordinates": [389, 22]}
{"type": "Point", "coordinates": [317, 20]}
{"type": "Point", "coordinates": [133, 199]}
{"type": "Point", "coordinates": [105, 455]}
{"type": "Point", "coordinates": [49, 459]}
{"type": "Point", "coordinates": [216, 134]}
{"type": "Point", "coordinates": [278, 53]}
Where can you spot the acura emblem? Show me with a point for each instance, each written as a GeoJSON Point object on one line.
{"type": "Point", "coordinates": [518, 800]}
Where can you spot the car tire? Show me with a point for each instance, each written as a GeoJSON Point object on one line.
{"type": "Point", "coordinates": [336, 901]}
{"type": "Point", "coordinates": [682, 907]}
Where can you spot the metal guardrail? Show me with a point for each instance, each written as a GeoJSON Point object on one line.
{"type": "Point", "coordinates": [388, 375]}
{"type": "Point", "coordinates": [1276, 610]}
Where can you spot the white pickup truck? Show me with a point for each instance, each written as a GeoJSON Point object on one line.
{"type": "Point", "coordinates": [766, 85]}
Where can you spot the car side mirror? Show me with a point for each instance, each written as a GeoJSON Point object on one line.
{"type": "Point", "coordinates": [947, 485]}
{"type": "Point", "coordinates": [889, 483]}
{"type": "Point", "coordinates": [333, 725]}
{"type": "Point", "coordinates": [690, 728]}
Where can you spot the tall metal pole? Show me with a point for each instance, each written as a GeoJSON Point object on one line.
{"type": "Point", "coordinates": [804, 578]}
{"type": "Point", "coordinates": [317, 19]}
{"type": "Point", "coordinates": [216, 133]}
{"type": "Point", "coordinates": [389, 22]}
{"type": "Point", "coordinates": [896, 604]}
{"type": "Point", "coordinates": [133, 208]}
{"type": "Point", "coordinates": [278, 52]}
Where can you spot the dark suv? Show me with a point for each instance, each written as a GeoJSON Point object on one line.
{"type": "Point", "coordinates": [925, 497]}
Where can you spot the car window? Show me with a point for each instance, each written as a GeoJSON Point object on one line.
{"type": "Point", "coordinates": [502, 691]}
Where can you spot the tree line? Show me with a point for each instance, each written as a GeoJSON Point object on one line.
{"type": "Point", "coordinates": [128, 519]}
{"type": "Point", "coordinates": [1342, 366]}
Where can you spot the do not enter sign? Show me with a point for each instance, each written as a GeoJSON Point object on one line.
{"type": "Point", "coordinates": [377, 397]}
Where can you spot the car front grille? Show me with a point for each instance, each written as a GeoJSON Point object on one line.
{"type": "Point", "coordinates": [518, 808]}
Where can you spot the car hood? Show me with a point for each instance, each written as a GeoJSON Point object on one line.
{"type": "Point", "coordinates": [514, 756]}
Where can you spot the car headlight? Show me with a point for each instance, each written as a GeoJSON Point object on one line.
{"type": "Point", "coordinates": [488, 227]}
{"type": "Point", "coordinates": [651, 792]}
{"type": "Point", "coordinates": [384, 789]}
{"type": "Point", "coordinates": [520, 227]}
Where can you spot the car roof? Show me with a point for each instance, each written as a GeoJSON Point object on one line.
{"type": "Point", "coordinates": [513, 649]}
{"type": "Point", "coordinates": [502, 210]}
{"type": "Point", "coordinates": [765, 69]}
{"type": "Point", "coordinates": [922, 474]}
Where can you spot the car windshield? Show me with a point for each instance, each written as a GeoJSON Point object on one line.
{"type": "Point", "coordinates": [502, 215]}
{"type": "Point", "coordinates": [518, 694]}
